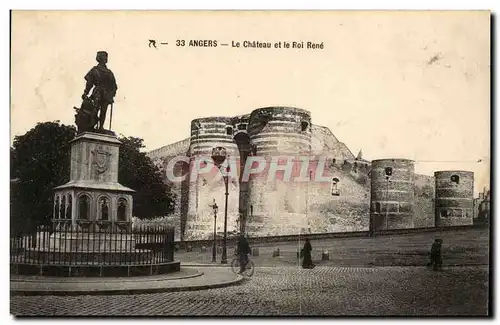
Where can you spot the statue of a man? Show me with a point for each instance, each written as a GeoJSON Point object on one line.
{"type": "Point", "coordinates": [104, 84]}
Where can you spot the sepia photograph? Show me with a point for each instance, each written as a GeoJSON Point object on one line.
{"type": "Point", "coordinates": [250, 163]}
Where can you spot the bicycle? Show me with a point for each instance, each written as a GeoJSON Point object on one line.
{"type": "Point", "coordinates": [249, 268]}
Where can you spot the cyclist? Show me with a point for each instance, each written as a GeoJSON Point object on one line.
{"type": "Point", "coordinates": [242, 250]}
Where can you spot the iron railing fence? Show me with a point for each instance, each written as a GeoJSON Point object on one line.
{"type": "Point", "coordinates": [93, 243]}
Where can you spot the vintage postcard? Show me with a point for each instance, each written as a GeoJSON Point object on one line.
{"type": "Point", "coordinates": [250, 163]}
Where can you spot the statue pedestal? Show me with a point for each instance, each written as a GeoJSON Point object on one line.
{"type": "Point", "coordinates": [92, 212]}
{"type": "Point", "coordinates": [93, 192]}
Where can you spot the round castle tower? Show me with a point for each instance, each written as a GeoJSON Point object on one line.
{"type": "Point", "coordinates": [278, 206]}
{"type": "Point", "coordinates": [392, 194]}
{"type": "Point", "coordinates": [206, 185]}
{"type": "Point", "coordinates": [454, 198]}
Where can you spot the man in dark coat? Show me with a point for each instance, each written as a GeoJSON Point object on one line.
{"type": "Point", "coordinates": [243, 249]}
{"type": "Point", "coordinates": [306, 254]}
{"type": "Point", "coordinates": [435, 255]}
{"type": "Point", "coordinates": [104, 83]}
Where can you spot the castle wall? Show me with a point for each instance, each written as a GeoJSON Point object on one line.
{"type": "Point", "coordinates": [324, 142]}
{"type": "Point", "coordinates": [171, 150]}
{"type": "Point", "coordinates": [351, 194]}
{"type": "Point", "coordinates": [341, 205]}
{"type": "Point", "coordinates": [161, 158]}
{"type": "Point", "coordinates": [454, 199]}
{"type": "Point", "coordinates": [423, 209]}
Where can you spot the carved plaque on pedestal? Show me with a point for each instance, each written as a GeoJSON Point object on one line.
{"type": "Point", "coordinates": [101, 159]}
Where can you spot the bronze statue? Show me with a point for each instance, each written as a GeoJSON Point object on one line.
{"type": "Point", "coordinates": [92, 114]}
{"type": "Point", "coordinates": [86, 117]}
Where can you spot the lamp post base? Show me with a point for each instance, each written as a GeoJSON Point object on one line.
{"type": "Point", "coordinates": [214, 259]}
{"type": "Point", "coordinates": [223, 260]}
{"type": "Point", "coordinates": [214, 247]}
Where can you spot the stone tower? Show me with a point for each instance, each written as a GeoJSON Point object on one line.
{"type": "Point", "coordinates": [206, 185]}
{"type": "Point", "coordinates": [278, 206]}
{"type": "Point", "coordinates": [392, 194]}
{"type": "Point", "coordinates": [454, 198]}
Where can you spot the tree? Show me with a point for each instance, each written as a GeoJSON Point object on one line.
{"type": "Point", "coordinates": [40, 161]}
{"type": "Point", "coordinates": [153, 197]}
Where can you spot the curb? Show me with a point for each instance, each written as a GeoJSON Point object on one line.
{"type": "Point", "coordinates": [131, 279]}
{"type": "Point", "coordinates": [464, 265]}
{"type": "Point", "coordinates": [425, 266]}
{"type": "Point", "coordinates": [206, 265]}
{"type": "Point", "coordinates": [238, 280]}
{"type": "Point", "coordinates": [341, 265]}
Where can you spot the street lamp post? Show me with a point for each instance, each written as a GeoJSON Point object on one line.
{"type": "Point", "coordinates": [214, 249]}
{"type": "Point", "coordinates": [388, 174]}
{"type": "Point", "coordinates": [372, 219]}
{"type": "Point", "coordinates": [387, 202]}
{"type": "Point", "coordinates": [219, 155]}
{"type": "Point", "coordinates": [224, 246]}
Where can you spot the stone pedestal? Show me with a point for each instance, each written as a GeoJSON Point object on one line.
{"type": "Point", "coordinates": [93, 192]}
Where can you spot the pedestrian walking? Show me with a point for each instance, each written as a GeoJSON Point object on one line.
{"type": "Point", "coordinates": [435, 255]}
{"type": "Point", "coordinates": [307, 262]}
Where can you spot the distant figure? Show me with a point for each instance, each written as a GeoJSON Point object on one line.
{"type": "Point", "coordinates": [435, 255]}
{"type": "Point", "coordinates": [306, 253]}
{"type": "Point", "coordinates": [243, 249]}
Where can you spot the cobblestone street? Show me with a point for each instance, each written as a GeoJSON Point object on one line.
{"type": "Point", "coordinates": [323, 290]}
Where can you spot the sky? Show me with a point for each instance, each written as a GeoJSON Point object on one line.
{"type": "Point", "coordinates": [412, 85]}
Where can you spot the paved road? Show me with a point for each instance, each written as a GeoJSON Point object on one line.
{"type": "Point", "coordinates": [292, 291]}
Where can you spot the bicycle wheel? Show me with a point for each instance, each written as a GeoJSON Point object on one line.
{"type": "Point", "coordinates": [235, 265]}
{"type": "Point", "coordinates": [249, 269]}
